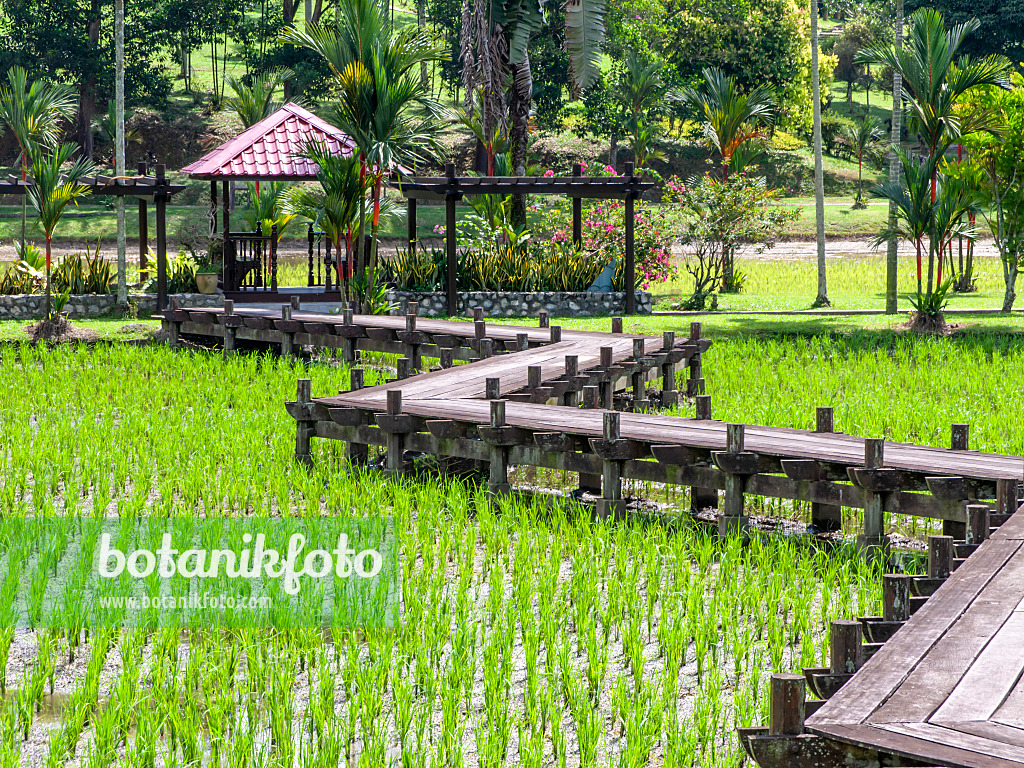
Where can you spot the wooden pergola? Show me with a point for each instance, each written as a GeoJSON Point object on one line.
{"type": "Point", "coordinates": [146, 189]}
{"type": "Point", "coordinates": [451, 188]}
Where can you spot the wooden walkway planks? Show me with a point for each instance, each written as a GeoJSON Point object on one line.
{"type": "Point", "coordinates": [948, 688]}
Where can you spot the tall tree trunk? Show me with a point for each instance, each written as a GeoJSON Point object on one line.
{"type": "Point", "coordinates": [122, 260]}
{"type": "Point", "coordinates": [87, 88]}
{"type": "Point", "coordinates": [519, 98]}
{"type": "Point", "coordinates": [819, 181]}
{"type": "Point", "coordinates": [288, 10]}
{"type": "Point", "coordinates": [421, 22]}
{"type": "Point", "coordinates": [613, 150]}
{"type": "Point", "coordinates": [892, 249]}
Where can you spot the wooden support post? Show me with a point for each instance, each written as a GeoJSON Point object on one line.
{"type": "Point", "coordinates": [522, 342]}
{"type": "Point", "coordinates": [1006, 496]}
{"type": "Point", "coordinates": [703, 498]}
{"type": "Point", "coordinates": [143, 170]}
{"type": "Point", "coordinates": [959, 441]}
{"type": "Point", "coordinates": [607, 387]}
{"type": "Point", "coordinates": [590, 397]}
{"type": "Point", "coordinates": [695, 384]}
{"type": "Point", "coordinates": [486, 348]}
{"type": "Point", "coordinates": [556, 333]}
{"type": "Point", "coordinates": [175, 326]}
{"type": "Point", "coordinates": [402, 368]}
{"type": "Point", "coordinates": [229, 330]}
{"type": "Point", "coordinates": [303, 429]}
{"type": "Point", "coordinates": [616, 325]}
{"type": "Point", "coordinates": [395, 440]}
{"type": "Point", "coordinates": [630, 249]}
{"type": "Point", "coordinates": [846, 650]}
{"type": "Point", "coordinates": [358, 453]}
{"type": "Point", "coordinates": [479, 329]}
{"type": "Point", "coordinates": [940, 557]}
{"type": "Point", "coordinates": [669, 393]}
{"type": "Point", "coordinates": [497, 477]}
{"type": "Point", "coordinates": [896, 596]}
{"type": "Point", "coordinates": [287, 339]}
{"type": "Point", "coordinates": [978, 524]}
{"type": "Point", "coordinates": [638, 381]}
{"type": "Point", "coordinates": [533, 376]}
{"type": "Point", "coordinates": [826, 518]}
{"type": "Point", "coordinates": [447, 357]}
{"type": "Point", "coordinates": [872, 541]}
{"type": "Point", "coordinates": [492, 388]}
{"type": "Point", "coordinates": [611, 503]}
{"type": "Point", "coordinates": [226, 209]}
{"type": "Point", "coordinates": [412, 348]}
{"type": "Point", "coordinates": [543, 319]}
{"type": "Point", "coordinates": [732, 519]}
{"type": "Point", "coordinates": [786, 705]}
{"type": "Point", "coordinates": [161, 240]}
{"type": "Point", "coordinates": [450, 242]}
{"type": "Point", "coordinates": [572, 369]}
{"type": "Point", "coordinates": [296, 302]}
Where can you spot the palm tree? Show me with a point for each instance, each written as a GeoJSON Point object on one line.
{"type": "Point", "coordinates": [268, 207]}
{"type": "Point", "coordinates": [821, 300]}
{"type": "Point", "coordinates": [892, 247]}
{"type": "Point", "coordinates": [53, 188]}
{"type": "Point", "coordinates": [33, 114]}
{"type": "Point", "coordinates": [382, 103]}
{"type": "Point", "coordinates": [864, 138]}
{"type": "Point", "coordinates": [255, 102]}
{"type": "Point", "coordinates": [642, 89]}
{"type": "Point", "coordinates": [934, 79]}
{"type": "Point", "coordinates": [335, 206]}
{"type": "Point", "coordinates": [731, 118]}
{"type": "Point", "coordinates": [495, 58]}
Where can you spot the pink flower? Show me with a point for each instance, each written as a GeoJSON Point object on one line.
{"type": "Point", "coordinates": [549, 172]}
{"type": "Point", "coordinates": [609, 169]}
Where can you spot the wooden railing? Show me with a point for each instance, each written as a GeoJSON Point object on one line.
{"type": "Point", "coordinates": [250, 262]}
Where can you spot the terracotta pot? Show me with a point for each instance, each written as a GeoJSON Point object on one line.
{"type": "Point", "coordinates": [206, 282]}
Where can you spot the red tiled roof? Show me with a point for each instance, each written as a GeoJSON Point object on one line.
{"type": "Point", "coordinates": [268, 150]}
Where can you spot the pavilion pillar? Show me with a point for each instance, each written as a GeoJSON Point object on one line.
{"type": "Point", "coordinates": [227, 209]}
{"type": "Point", "coordinates": [161, 237]}
{"type": "Point", "coordinates": [630, 276]}
{"type": "Point", "coordinates": [450, 198]}
{"type": "Point", "coordinates": [577, 212]}
{"type": "Point", "coordinates": [143, 169]}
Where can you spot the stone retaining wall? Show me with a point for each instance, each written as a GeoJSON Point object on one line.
{"type": "Point", "coordinates": [33, 306]}
{"type": "Point", "coordinates": [522, 304]}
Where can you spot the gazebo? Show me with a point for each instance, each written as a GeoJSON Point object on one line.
{"type": "Point", "coordinates": [145, 189]}
{"type": "Point", "coordinates": [270, 150]}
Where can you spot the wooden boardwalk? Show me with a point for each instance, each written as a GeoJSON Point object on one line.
{"type": "Point", "coordinates": [947, 689]}
{"type": "Point", "coordinates": [936, 680]}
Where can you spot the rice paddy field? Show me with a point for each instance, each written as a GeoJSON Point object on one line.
{"type": "Point", "coordinates": [529, 634]}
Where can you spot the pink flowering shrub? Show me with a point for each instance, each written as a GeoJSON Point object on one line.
{"type": "Point", "coordinates": [604, 235]}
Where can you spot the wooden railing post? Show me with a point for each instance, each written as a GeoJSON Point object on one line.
{"type": "Point", "coordinates": [695, 384]}
{"type": "Point", "coordinates": [304, 430]}
{"type": "Point", "coordinates": [733, 518]}
{"type": "Point", "coordinates": [358, 453]}
{"type": "Point", "coordinates": [669, 393]}
{"type": "Point", "coordinates": [395, 440]}
{"type": "Point", "coordinates": [786, 705]}
{"type": "Point", "coordinates": [826, 518]}
{"type": "Point", "coordinates": [896, 597]}
{"type": "Point", "coordinates": [310, 280]}
{"type": "Point", "coordinates": [703, 498]}
{"type": "Point", "coordinates": [611, 503]}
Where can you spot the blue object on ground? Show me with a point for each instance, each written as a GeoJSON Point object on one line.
{"type": "Point", "coordinates": [603, 283]}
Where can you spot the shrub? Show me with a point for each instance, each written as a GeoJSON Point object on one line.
{"type": "Point", "coordinates": [84, 273]}
{"type": "Point", "coordinates": [833, 128]}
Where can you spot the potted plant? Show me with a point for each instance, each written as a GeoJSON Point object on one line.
{"type": "Point", "coordinates": [207, 274]}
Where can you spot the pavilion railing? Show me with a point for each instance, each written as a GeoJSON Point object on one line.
{"type": "Point", "coordinates": [250, 262]}
{"type": "Point", "coordinates": [323, 263]}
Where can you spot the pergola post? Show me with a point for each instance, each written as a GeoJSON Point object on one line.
{"type": "Point", "coordinates": [577, 212]}
{"type": "Point", "coordinates": [449, 233]}
{"type": "Point", "coordinates": [143, 231]}
{"type": "Point", "coordinates": [412, 224]}
{"type": "Point", "coordinates": [630, 277]}
{"type": "Point", "coordinates": [161, 237]}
